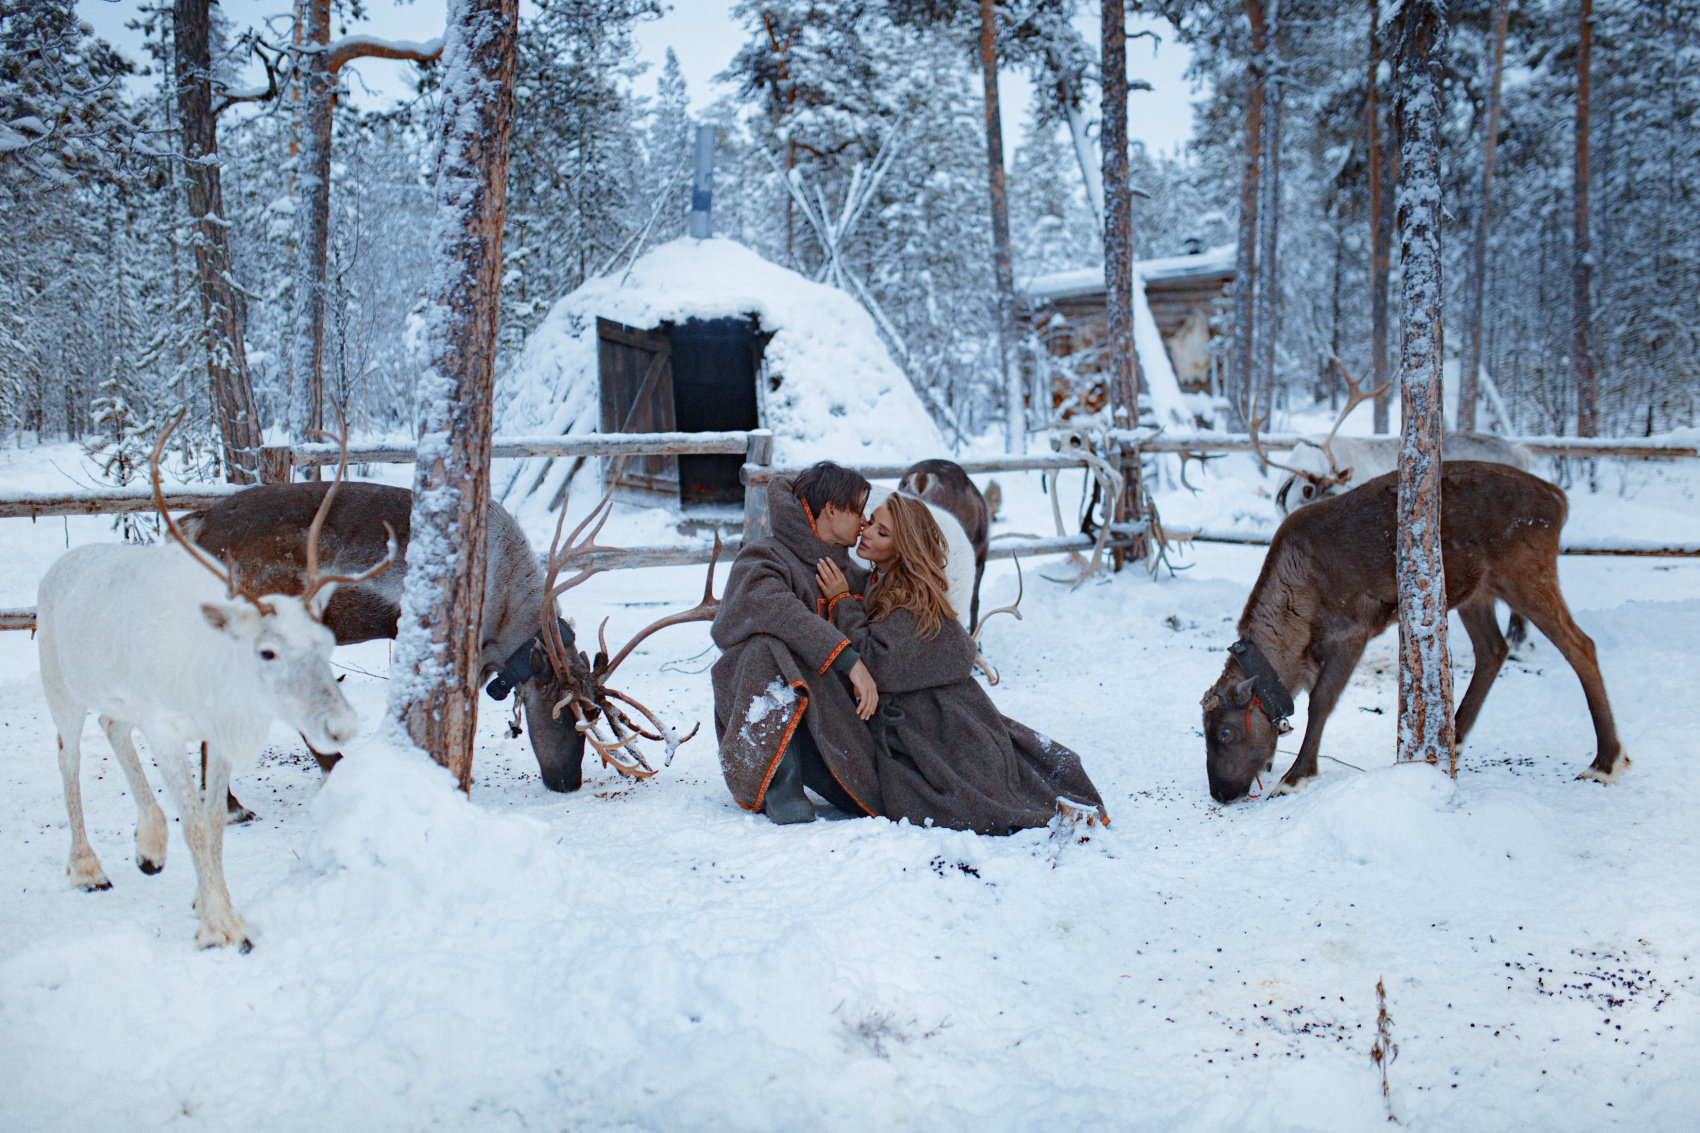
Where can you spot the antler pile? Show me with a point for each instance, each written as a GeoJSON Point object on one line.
{"type": "Point", "coordinates": [593, 705]}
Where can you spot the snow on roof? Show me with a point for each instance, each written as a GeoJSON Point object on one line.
{"type": "Point", "coordinates": [1080, 282]}
{"type": "Point", "coordinates": [839, 395]}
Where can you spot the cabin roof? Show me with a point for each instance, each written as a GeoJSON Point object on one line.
{"type": "Point", "coordinates": [1085, 283]}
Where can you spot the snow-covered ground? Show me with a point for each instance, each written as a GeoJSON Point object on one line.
{"type": "Point", "coordinates": [648, 956]}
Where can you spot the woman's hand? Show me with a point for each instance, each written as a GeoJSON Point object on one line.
{"type": "Point", "coordinates": [867, 693]}
{"type": "Point", "coordinates": [830, 579]}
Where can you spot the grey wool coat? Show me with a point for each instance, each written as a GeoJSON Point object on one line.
{"type": "Point", "coordinates": [943, 750]}
{"type": "Point", "coordinates": [778, 660]}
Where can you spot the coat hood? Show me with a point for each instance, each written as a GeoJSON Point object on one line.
{"type": "Point", "coordinates": [795, 527]}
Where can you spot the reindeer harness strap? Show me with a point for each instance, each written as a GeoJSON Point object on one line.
{"type": "Point", "coordinates": [516, 670]}
{"type": "Point", "coordinates": [1272, 696]}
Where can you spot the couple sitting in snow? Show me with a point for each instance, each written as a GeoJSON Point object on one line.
{"type": "Point", "coordinates": [860, 685]}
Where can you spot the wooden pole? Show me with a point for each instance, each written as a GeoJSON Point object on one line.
{"type": "Point", "coordinates": [1122, 372]}
{"type": "Point", "coordinates": [437, 659]}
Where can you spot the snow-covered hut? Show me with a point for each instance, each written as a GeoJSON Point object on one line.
{"type": "Point", "coordinates": [702, 335]}
{"type": "Point", "coordinates": [1173, 301]}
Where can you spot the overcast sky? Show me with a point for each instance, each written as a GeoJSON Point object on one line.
{"type": "Point", "coordinates": [705, 38]}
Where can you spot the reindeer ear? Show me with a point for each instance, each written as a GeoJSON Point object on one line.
{"type": "Point", "coordinates": [228, 617]}
{"type": "Point", "coordinates": [1283, 728]}
{"type": "Point", "coordinates": [1245, 690]}
{"type": "Point", "coordinates": [317, 603]}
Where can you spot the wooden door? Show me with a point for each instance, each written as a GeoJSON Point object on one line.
{"type": "Point", "coordinates": [637, 397]}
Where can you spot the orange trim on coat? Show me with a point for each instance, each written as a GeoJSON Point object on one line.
{"type": "Point", "coordinates": [833, 604]}
{"type": "Point", "coordinates": [809, 514]}
{"type": "Point", "coordinates": [831, 657]}
{"type": "Point", "coordinates": [802, 691]}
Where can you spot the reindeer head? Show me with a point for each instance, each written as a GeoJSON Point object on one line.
{"type": "Point", "coordinates": [284, 635]}
{"type": "Point", "coordinates": [1239, 740]}
{"type": "Point", "coordinates": [579, 686]}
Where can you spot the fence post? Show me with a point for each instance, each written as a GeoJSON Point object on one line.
{"type": "Point", "coordinates": [760, 453]}
{"type": "Point", "coordinates": [276, 464]}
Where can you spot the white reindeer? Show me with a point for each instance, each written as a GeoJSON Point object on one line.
{"type": "Point", "coordinates": [1324, 467]}
{"type": "Point", "coordinates": [161, 639]}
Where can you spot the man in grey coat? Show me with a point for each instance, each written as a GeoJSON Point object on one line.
{"type": "Point", "coordinates": [791, 698]}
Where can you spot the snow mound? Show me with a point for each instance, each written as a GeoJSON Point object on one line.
{"type": "Point", "coordinates": [832, 390]}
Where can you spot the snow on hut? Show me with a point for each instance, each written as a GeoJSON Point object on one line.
{"type": "Point", "coordinates": [703, 335]}
{"type": "Point", "coordinates": [1174, 299]}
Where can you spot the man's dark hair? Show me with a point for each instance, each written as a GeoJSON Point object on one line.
{"type": "Point", "coordinates": [829, 483]}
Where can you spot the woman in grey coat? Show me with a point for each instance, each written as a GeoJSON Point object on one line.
{"type": "Point", "coordinates": [945, 755]}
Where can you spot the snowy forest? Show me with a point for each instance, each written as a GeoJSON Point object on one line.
{"type": "Point", "coordinates": [115, 203]}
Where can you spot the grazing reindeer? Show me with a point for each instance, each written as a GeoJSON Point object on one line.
{"type": "Point", "coordinates": [264, 531]}
{"type": "Point", "coordinates": [1336, 464]}
{"type": "Point", "coordinates": [1328, 586]}
{"type": "Point", "coordinates": [162, 639]}
{"type": "Point", "coordinates": [943, 484]}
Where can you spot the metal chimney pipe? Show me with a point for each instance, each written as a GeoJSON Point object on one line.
{"type": "Point", "coordinates": [702, 186]}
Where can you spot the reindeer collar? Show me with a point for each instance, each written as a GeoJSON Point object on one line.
{"type": "Point", "coordinates": [516, 670]}
{"type": "Point", "coordinates": [1272, 696]}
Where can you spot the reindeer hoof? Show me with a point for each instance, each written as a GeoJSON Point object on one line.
{"type": "Point", "coordinates": [149, 866]}
{"type": "Point", "coordinates": [1601, 775]}
{"type": "Point", "coordinates": [228, 931]}
{"type": "Point", "coordinates": [96, 885]}
{"type": "Point", "coordinates": [240, 816]}
{"type": "Point", "coordinates": [1288, 786]}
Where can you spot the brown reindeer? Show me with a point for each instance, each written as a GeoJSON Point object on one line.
{"type": "Point", "coordinates": [1328, 586]}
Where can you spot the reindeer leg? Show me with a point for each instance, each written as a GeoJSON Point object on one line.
{"type": "Point", "coordinates": [1491, 651]}
{"type": "Point", "coordinates": [152, 832]}
{"type": "Point", "coordinates": [84, 867]}
{"type": "Point", "coordinates": [203, 830]}
{"type": "Point", "coordinates": [1541, 601]}
{"type": "Point", "coordinates": [1330, 683]}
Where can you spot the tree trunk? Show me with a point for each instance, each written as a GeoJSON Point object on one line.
{"type": "Point", "coordinates": [1068, 98]}
{"type": "Point", "coordinates": [1475, 285]}
{"type": "Point", "coordinates": [1015, 426]}
{"type": "Point", "coordinates": [1245, 258]}
{"type": "Point", "coordinates": [1268, 316]}
{"type": "Point", "coordinates": [1425, 669]}
{"type": "Point", "coordinates": [1582, 264]}
{"type": "Point", "coordinates": [437, 652]}
{"type": "Point", "coordinates": [1380, 222]}
{"type": "Point", "coordinates": [1122, 375]}
{"type": "Point", "coordinates": [313, 182]}
{"type": "Point", "coordinates": [232, 396]}
{"type": "Point", "coordinates": [317, 89]}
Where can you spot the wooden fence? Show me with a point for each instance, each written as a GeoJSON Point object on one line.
{"type": "Point", "coordinates": [278, 464]}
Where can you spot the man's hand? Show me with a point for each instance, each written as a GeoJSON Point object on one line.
{"type": "Point", "coordinates": [867, 693]}
{"type": "Point", "coordinates": [830, 579]}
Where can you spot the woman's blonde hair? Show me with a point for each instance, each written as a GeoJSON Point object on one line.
{"type": "Point", "coordinates": [916, 580]}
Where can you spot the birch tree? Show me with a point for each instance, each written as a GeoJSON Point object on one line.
{"type": "Point", "coordinates": [435, 695]}
{"type": "Point", "coordinates": [1425, 669]}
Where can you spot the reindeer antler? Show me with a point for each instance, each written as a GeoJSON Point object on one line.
{"type": "Point", "coordinates": [617, 752]}
{"type": "Point", "coordinates": [1354, 398]}
{"type": "Point", "coordinates": [316, 580]}
{"type": "Point", "coordinates": [1014, 608]}
{"type": "Point", "coordinates": [226, 574]}
{"type": "Point", "coordinates": [1252, 423]}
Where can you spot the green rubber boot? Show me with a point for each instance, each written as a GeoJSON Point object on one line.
{"type": "Point", "coordinates": [785, 802]}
